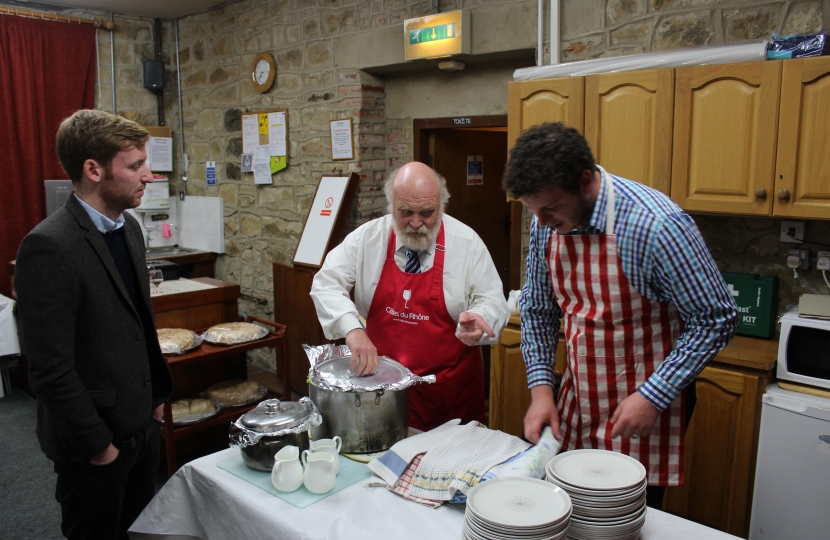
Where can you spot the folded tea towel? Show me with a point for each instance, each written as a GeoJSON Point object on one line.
{"type": "Point", "coordinates": [404, 483]}
{"type": "Point", "coordinates": [531, 463]}
{"type": "Point", "coordinates": [392, 464]}
{"type": "Point", "coordinates": [459, 463]}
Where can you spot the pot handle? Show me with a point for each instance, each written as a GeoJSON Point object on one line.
{"type": "Point", "coordinates": [338, 441]}
{"type": "Point", "coordinates": [304, 458]}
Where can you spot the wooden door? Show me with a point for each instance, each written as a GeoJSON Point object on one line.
{"type": "Point", "coordinates": [628, 124]}
{"type": "Point", "coordinates": [548, 100]}
{"type": "Point", "coordinates": [721, 446]}
{"type": "Point", "coordinates": [725, 126]}
{"type": "Point", "coordinates": [802, 180]}
{"type": "Point", "coordinates": [480, 206]}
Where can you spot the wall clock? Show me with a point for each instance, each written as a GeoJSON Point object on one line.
{"type": "Point", "coordinates": [263, 72]}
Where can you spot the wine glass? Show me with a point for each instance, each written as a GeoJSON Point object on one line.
{"type": "Point", "coordinates": [156, 277]}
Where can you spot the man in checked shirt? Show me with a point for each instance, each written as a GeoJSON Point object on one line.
{"type": "Point", "coordinates": [643, 304]}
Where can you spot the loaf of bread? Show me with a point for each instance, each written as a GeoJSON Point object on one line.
{"type": "Point", "coordinates": [177, 340]}
{"type": "Point", "coordinates": [235, 392]}
{"type": "Point", "coordinates": [235, 332]}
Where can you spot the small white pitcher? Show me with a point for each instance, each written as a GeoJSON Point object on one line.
{"type": "Point", "coordinates": [319, 475]}
{"type": "Point", "coordinates": [287, 474]}
{"type": "Point", "coordinates": [329, 446]}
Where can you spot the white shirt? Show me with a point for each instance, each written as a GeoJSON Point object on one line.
{"type": "Point", "coordinates": [471, 282]}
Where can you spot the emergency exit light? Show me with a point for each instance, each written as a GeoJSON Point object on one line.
{"type": "Point", "coordinates": [435, 36]}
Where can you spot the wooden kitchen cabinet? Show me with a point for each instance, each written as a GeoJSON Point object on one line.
{"type": "Point", "coordinates": [802, 176]}
{"type": "Point", "coordinates": [509, 395]}
{"type": "Point", "coordinates": [725, 127]}
{"type": "Point", "coordinates": [628, 124]}
{"type": "Point", "coordinates": [722, 441]}
{"type": "Point", "coordinates": [548, 100]}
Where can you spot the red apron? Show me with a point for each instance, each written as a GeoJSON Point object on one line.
{"type": "Point", "coordinates": [409, 322]}
{"type": "Point", "coordinates": [615, 338]}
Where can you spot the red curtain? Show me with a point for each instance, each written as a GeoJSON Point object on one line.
{"type": "Point", "coordinates": [47, 72]}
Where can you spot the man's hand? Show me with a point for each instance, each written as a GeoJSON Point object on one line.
{"type": "Point", "coordinates": [633, 418]}
{"type": "Point", "coordinates": [158, 413]}
{"type": "Point", "coordinates": [364, 353]}
{"type": "Point", "coordinates": [542, 411]}
{"type": "Point", "coordinates": [105, 457]}
{"type": "Point", "coordinates": [472, 326]}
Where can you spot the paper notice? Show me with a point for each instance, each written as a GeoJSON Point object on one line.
{"type": "Point", "coordinates": [250, 133]}
{"type": "Point", "coordinates": [262, 165]}
{"type": "Point", "coordinates": [276, 133]}
{"type": "Point", "coordinates": [160, 154]}
{"type": "Point", "coordinates": [341, 139]}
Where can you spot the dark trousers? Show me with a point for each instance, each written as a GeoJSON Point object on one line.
{"type": "Point", "coordinates": [654, 494]}
{"type": "Point", "coordinates": [101, 502]}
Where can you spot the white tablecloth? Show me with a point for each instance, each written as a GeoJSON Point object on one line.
{"type": "Point", "coordinates": [9, 344]}
{"type": "Point", "coordinates": [206, 502]}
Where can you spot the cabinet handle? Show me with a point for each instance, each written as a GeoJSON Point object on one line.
{"type": "Point", "coordinates": [760, 193]}
{"type": "Point", "coordinates": [784, 194]}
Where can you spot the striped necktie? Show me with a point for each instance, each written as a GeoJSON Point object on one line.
{"type": "Point", "coordinates": [413, 265]}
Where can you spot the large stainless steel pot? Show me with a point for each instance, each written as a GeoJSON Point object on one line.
{"type": "Point", "coordinates": [368, 413]}
{"type": "Point", "coordinates": [273, 424]}
{"type": "Point", "coordinates": [366, 421]}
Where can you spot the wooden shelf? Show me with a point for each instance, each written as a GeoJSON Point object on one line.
{"type": "Point", "coordinates": [208, 352]}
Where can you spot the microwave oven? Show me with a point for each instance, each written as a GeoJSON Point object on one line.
{"type": "Point", "coordinates": [804, 350]}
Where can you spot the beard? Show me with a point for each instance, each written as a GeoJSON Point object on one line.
{"type": "Point", "coordinates": [420, 238]}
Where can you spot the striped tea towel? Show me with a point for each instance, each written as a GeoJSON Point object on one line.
{"type": "Point", "coordinates": [392, 464]}
{"type": "Point", "coordinates": [459, 463]}
{"type": "Point", "coordinates": [402, 487]}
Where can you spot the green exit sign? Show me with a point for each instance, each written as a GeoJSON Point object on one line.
{"type": "Point", "coordinates": [432, 33]}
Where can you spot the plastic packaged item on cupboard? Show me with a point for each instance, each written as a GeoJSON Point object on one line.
{"type": "Point", "coordinates": [233, 333]}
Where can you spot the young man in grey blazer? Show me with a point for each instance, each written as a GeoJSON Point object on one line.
{"type": "Point", "coordinates": [88, 323]}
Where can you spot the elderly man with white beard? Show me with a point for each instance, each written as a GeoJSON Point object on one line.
{"type": "Point", "coordinates": [428, 290]}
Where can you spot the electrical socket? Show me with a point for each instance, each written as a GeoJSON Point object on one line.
{"type": "Point", "coordinates": [792, 231]}
{"type": "Point", "coordinates": [798, 259]}
{"type": "Point", "coordinates": [823, 260]}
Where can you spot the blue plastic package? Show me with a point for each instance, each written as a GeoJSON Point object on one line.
{"type": "Point", "coordinates": [797, 46]}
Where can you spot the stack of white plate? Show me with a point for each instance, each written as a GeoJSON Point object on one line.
{"type": "Point", "coordinates": [516, 508]}
{"type": "Point", "coordinates": [608, 492]}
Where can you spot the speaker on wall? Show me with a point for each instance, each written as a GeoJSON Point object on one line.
{"type": "Point", "coordinates": [153, 74]}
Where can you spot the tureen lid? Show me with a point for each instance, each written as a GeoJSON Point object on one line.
{"type": "Point", "coordinates": [330, 371]}
{"type": "Point", "coordinates": [274, 415]}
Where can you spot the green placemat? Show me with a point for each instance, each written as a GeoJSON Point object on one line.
{"type": "Point", "coordinates": [350, 473]}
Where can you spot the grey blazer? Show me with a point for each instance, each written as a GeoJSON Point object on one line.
{"type": "Point", "coordinates": [89, 363]}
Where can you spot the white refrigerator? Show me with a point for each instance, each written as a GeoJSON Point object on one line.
{"type": "Point", "coordinates": [792, 476]}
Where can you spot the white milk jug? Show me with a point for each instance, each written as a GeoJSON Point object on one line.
{"type": "Point", "coordinates": [319, 475]}
{"type": "Point", "coordinates": [329, 446]}
{"type": "Point", "coordinates": [287, 474]}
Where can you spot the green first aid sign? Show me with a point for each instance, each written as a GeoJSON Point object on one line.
{"type": "Point", "coordinates": [432, 33]}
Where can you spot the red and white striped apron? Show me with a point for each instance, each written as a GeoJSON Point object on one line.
{"type": "Point", "coordinates": [615, 339]}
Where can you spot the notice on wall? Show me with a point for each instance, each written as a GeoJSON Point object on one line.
{"type": "Point", "coordinates": [276, 133]}
{"type": "Point", "coordinates": [341, 139]}
{"type": "Point", "coordinates": [475, 170]}
{"type": "Point", "coordinates": [160, 154]}
{"type": "Point", "coordinates": [262, 165]}
{"type": "Point", "coordinates": [250, 133]}
{"type": "Point", "coordinates": [210, 173]}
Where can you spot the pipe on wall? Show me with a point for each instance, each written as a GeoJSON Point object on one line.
{"type": "Point", "coordinates": [112, 66]}
{"type": "Point", "coordinates": [540, 44]}
{"type": "Point", "coordinates": [554, 32]}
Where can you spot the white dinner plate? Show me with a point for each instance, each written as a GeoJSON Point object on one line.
{"type": "Point", "coordinates": [509, 533]}
{"type": "Point", "coordinates": [519, 502]}
{"type": "Point", "coordinates": [597, 469]}
{"type": "Point", "coordinates": [598, 494]}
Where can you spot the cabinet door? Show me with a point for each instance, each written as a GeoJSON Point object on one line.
{"type": "Point", "coordinates": [509, 396]}
{"type": "Point", "coordinates": [628, 123]}
{"type": "Point", "coordinates": [725, 125]}
{"type": "Point", "coordinates": [547, 100]}
{"type": "Point", "coordinates": [802, 185]}
{"type": "Point", "coordinates": [721, 446]}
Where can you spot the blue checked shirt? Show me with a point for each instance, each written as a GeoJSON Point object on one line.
{"type": "Point", "coordinates": [665, 259]}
